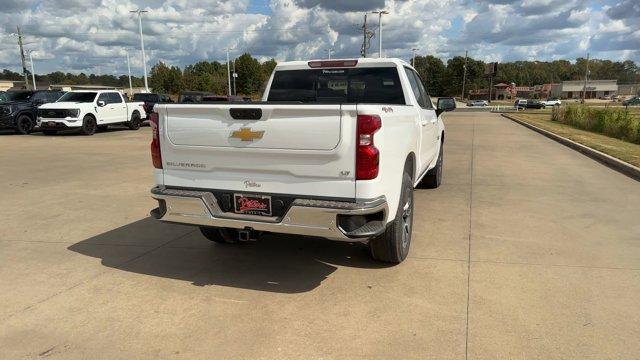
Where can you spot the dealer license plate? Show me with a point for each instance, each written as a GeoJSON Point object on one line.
{"type": "Point", "coordinates": [252, 204]}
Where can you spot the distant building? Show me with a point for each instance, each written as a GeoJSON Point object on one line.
{"type": "Point", "coordinates": [594, 89]}
{"type": "Point", "coordinates": [628, 89]}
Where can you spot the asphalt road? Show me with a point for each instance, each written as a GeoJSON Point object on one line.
{"type": "Point", "coordinates": [529, 250]}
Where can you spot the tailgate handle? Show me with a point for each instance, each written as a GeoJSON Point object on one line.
{"type": "Point", "coordinates": [246, 113]}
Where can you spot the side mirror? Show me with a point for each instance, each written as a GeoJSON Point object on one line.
{"type": "Point", "coordinates": [445, 104]}
{"type": "Point", "coordinates": [101, 103]}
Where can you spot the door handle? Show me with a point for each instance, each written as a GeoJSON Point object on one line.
{"type": "Point", "coordinates": [424, 123]}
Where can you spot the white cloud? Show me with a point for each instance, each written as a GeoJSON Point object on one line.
{"type": "Point", "coordinates": [84, 35]}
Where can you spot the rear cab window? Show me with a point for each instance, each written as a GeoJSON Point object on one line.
{"type": "Point", "coordinates": [373, 85]}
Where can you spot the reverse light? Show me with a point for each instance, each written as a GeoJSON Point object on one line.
{"type": "Point", "coordinates": [367, 155]}
{"type": "Point", "coordinates": [332, 63]}
{"type": "Point", "coordinates": [156, 155]}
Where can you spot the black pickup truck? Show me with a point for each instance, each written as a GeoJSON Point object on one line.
{"type": "Point", "coordinates": [18, 109]}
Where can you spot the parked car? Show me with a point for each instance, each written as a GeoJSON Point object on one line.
{"type": "Point", "coordinates": [551, 102]}
{"type": "Point", "coordinates": [193, 96]}
{"type": "Point", "coordinates": [319, 156]}
{"type": "Point", "coordinates": [222, 98]}
{"type": "Point", "coordinates": [89, 111]}
{"type": "Point", "coordinates": [522, 104]}
{"type": "Point", "coordinates": [615, 98]}
{"type": "Point", "coordinates": [149, 100]}
{"type": "Point", "coordinates": [3, 97]}
{"type": "Point", "coordinates": [634, 101]}
{"type": "Point", "coordinates": [476, 103]}
{"type": "Point", "coordinates": [19, 108]}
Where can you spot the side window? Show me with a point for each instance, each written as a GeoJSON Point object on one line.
{"type": "Point", "coordinates": [104, 97]}
{"type": "Point", "coordinates": [115, 98]}
{"type": "Point", "coordinates": [423, 92]}
{"type": "Point", "coordinates": [414, 87]}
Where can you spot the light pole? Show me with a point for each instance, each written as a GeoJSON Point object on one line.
{"type": "Point", "coordinates": [380, 29]}
{"type": "Point", "coordinates": [235, 75]}
{"type": "Point", "coordinates": [464, 74]}
{"type": "Point", "coordinates": [33, 73]}
{"type": "Point", "coordinates": [228, 72]}
{"type": "Point", "coordinates": [129, 69]}
{"type": "Point", "coordinates": [329, 50]}
{"type": "Point", "coordinates": [413, 62]}
{"type": "Point", "coordinates": [586, 78]}
{"type": "Point", "coordinates": [144, 58]}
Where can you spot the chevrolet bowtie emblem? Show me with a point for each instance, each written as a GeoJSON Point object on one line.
{"type": "Point", "coordinates": [245, 134]}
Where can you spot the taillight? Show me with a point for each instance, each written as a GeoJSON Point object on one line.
{"type": "Point", "coordinates": [367, 155]}
{"type": "Point", "coordinates": [156, 156]}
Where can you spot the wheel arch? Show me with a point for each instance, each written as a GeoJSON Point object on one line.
{"type": "Point", "coordinates": [410, 165]}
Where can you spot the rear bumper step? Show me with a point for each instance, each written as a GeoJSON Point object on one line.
{"type": "Point", "coordinates": [305, 216]}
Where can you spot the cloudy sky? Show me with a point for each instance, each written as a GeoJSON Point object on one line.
{"type": "Point", "coordinates": [95, 35]}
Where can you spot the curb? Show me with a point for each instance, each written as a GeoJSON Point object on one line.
{"type": "Point", "coordinates": [613, 163]}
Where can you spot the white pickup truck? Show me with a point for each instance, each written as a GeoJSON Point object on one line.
{"type": "Point", "coordinates": [89, 111]}
{"type": "Point", "coordinates": [334, 150]}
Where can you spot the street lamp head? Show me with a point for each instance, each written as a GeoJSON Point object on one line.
{"type": "Point", "coordinates": [382, 12]}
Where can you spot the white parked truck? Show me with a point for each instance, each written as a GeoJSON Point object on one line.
{"type": "Point", "coordinates": [334, 150]}
{"type": "Point", "coordinates": [89, 111]}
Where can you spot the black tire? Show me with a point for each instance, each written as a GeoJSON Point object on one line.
{"type": "Point", "coordinates": [24, 125]}
{"type": "Point", "coordinates": [89, 126]}
{"type": "Point", "coordinates": [134, 123]}
{"type": "Point", "coordinates": [220, 235]}
{"type": "Point", "coordinates": [49, 132]}
{"type": "Point", "coordinates": [433, 178]}
{"type": "Point", "coordinates": [393, 245]}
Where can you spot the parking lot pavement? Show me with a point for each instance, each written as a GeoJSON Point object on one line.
{"type": "Point", "coordinates": [528, 250]}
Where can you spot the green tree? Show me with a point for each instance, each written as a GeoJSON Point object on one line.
{"type": "Point", "coordinates": [250, 74]}
{"type": "Point", "coordinates": [432, 71]}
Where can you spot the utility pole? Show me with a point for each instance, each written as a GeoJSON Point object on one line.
{"type": "Point", "coordinates": [144, 57]}
{"type": "Point", "coordinates": [413, 61]}
{"type": "Point", "coordinates": [380, 13]}
{"type": "Point", "coordinates": [33, 72]}
{"type": "Point", "coordinates": [24, 65]}
{"type": "Point", "coordinates": [366, 38]}
{"type": "Point", "coordinates": [586, 77]}
{"type": "Point", "coordinates": [228, 72]}
{"type": "Point", "coordinates": [129, 69]}
{"type": "Point", "coordinates": [464, 74]}
{"type": "Point", "coordinates": [363, 51]}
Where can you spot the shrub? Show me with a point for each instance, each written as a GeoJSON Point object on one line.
{"type": "Point", "coordinates": [615, 122]}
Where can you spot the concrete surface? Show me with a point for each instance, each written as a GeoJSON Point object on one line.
{"type": "Point", "coordinates": [529, 250]}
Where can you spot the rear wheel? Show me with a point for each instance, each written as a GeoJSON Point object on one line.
{"type": "Point", "coordinates": [25, 124]}
{"type": "Point", "coordinates": [134, 123]}
{"type": "Point", "coordinates": [433, 178]}
{"type": "Point", "coordinates": [393, 245]}
{"type": "Point", "coordinates": [220, 235]}
{"type": "Point", "coordinates": [89, 126]}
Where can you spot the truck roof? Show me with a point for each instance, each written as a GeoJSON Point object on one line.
{"type": "Point", "coordinates": [362, 62]}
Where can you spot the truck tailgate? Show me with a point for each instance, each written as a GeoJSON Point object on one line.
{"type": "Point", "coordinates": [264, 148]}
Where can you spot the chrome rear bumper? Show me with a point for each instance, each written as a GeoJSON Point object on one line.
{"type": "Point", "coordinates": [305, 216]}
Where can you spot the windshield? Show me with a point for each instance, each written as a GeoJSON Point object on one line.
{"type": "Point", "coordinates": [146, 97]}
{"type": "Point", "coordinates": [81, 97]}
{"type": "Point", "coordinates": [40, 96]}
{"type": "Point", "coordinates": [19, 95]}
{"type": "Point", "coordinates": [359, 85]}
